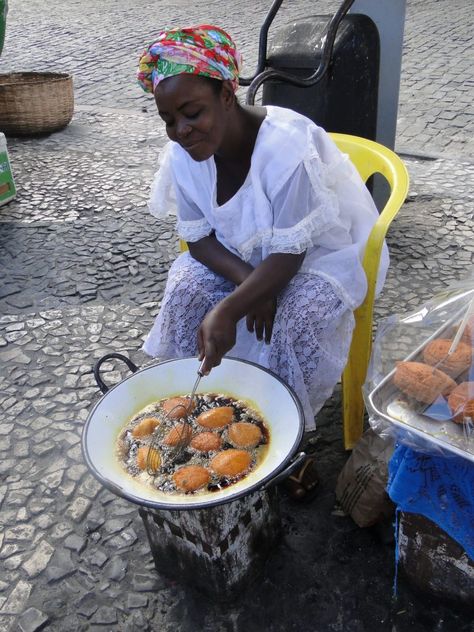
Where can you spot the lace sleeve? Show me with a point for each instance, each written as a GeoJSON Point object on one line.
{"type": "Point", "coordinates": [192, 224]}
{"type": "Point", "coordinates": [193, 230]}
{"type": "Point", "coordinates": [323, 202]}
{"type": "Point", "coordinates": [162, 199]}
{"type": "Point", "coordinates": [307, 213]}
{"type": "Point", "coordinates": [169, 197]}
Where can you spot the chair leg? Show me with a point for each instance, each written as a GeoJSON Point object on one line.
{"type": "Point", "coordinates": [353, 410]}
{"type": "Point", "coordinates": [354, 377]}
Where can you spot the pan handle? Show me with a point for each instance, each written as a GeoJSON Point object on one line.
{"type": "Point", "coordinates": [294, 464]}
{"type": "Point", "coordinates": [96, 370]}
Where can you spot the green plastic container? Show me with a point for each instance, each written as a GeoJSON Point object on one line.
{"type": "Point", "coordinates": [7, 184]}
{"type": "Point", "coordinates": [3, 21]}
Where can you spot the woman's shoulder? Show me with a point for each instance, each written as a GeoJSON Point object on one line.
{"type": "Point", "coordinates": [288, 139]}
{"type": "Point", "coordinates": [286, 116]}
{"type": "Point", "coordinates": [178, 157]}
{"type": "Point", "coordinates": [288, 125]}
{"type": "Point", "coordinates": [187, 173]}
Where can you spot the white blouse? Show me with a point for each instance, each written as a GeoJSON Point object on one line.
{"type": "Point", "coordinates": [301, 194]}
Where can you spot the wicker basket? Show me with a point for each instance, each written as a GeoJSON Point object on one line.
{"type": "Point", "coordinates": [35, 102]}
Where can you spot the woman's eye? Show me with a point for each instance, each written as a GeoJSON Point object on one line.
{"type": "Point", "coordinates": [193, 115]}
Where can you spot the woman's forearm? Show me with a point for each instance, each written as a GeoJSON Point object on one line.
{"type": "Point", "coordinates": [210, 252]}
{"type": "Point", "coordinates": [264, 282]}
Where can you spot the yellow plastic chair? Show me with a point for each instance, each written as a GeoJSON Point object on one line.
{"type": "Point", "coordinates": [368, 157]}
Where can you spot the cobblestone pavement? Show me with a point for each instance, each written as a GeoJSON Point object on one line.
{"type": "Point", "coordinates": [83, 267]}
{"type": "Point", "coordinates": [436, 109]}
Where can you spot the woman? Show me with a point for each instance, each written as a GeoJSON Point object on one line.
{"type": "Point", "coordinates": [275, 218]}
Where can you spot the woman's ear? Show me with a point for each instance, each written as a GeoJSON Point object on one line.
{"type": "Point", "coordinates": [227, 94]}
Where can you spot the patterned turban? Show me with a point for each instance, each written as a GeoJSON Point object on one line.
{"type": "Point", "coordinates": [198, 50]}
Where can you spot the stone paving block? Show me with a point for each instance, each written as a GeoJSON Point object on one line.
{"type": "Point", "coordinates": [53, 480]}
{"type": "Point", "coordinates": [47, 447]}
{"type": "Point", "coordinates": [39, 560]}
{"type": "Point", "coordinates": [6, 622]}
{"type": "Point", "coordinates": [78, 508]}
{"type": "Point", "coordinates": [75, 543]}
{"type": "Point", "coordinates": [116, 569]}
{"type": "Point", "coordinates": [44, 521]}
{"type": "Point", "coordinates": [87, 605]}
{"type": "Point", "coordinates": [32, 620]}
{"type": "Point", "coordinates": [61, 530]}
{"type": "Point", "coordinates": [76, 472]}
{"type": "Point", "coordinates": [61, 566]}
{"type": "Point", "coordinates": [87, 186]}
{"type": "Point", "coordinates": [105, 615]}
{"type": "Point", "coordinates": [146, 582]}
{"type": "Point", "coordinates": [22, 515]}
{"type": "Point", "coordinates": [97, 558]}
{"type": "Point", "coordinates": [17, 599]}
{"type": "Point", "coordinates": [19, 533]}
{"type": "Point", "coordinates": [89, 487]}
{"type": "Point", "coordinates": [137, 600]}
{"type": "Point", "coordinates": [15, 355]}
{"type": "Point", "coordinates": [14, 562]}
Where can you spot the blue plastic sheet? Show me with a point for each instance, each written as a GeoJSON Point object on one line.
{"type": "Point", "coordinates": [439, 488]}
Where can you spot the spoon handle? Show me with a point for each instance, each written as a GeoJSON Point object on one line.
{"type": "Point", "coordinates": [198, 379]}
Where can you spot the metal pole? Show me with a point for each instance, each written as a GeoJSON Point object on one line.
{"type": "Point", "coordinates": [389, 17]}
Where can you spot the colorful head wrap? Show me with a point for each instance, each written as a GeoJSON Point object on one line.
{"type": "Point", "coordinates": [199, 50]}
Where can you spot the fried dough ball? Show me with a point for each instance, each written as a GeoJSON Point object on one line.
{"type": "Point", "coordinates": [206, 442]}
{"type": "Point", "coordinates": [216, 417]}
{"type": "Point", "coordinates": [145, 427]}
{"type": "Point", "coordinates": [244, 435]}
{"type": "Point", "coordinates": [142, 458]}
{"type": "Point", "coordinates": [231, 462]}
{"type": "Point", "coordinates": [454, 364]}
{"type": "Point", "coordinates": [191, 477]}
{"type": "Point", "coordinates": [422, 382]}
{"type": "Point", "coordinates": [461, 403]}
{"type": "Point", "coordinates": [178, 435]}
{"type": "Point", "coordinates": [182, 406]}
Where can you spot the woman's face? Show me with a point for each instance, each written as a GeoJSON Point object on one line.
{"type": "Point", "coordinates": [194, 113]}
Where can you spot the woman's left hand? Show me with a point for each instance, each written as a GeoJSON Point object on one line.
{"type": "Point", "coordinates": [217, 333]}
{"type": "Point", "coordinates": [261, 318]}
{"type": "Point", "coordinates": [216, 336]}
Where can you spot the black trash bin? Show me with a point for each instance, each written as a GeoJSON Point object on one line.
{"type": "Point", "coordinates": [345, 99]}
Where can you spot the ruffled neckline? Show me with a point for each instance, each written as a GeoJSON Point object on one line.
{"type": "Point", "coordinates": [245, 184]}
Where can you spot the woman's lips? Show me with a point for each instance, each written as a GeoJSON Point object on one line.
{"type": "Point", "coordinates": [198, 150]}
{"type": "Point", "coordinates": [191, 145]}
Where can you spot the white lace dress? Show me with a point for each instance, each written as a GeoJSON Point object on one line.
{"type": "Point", "coordinates": [301, 194]}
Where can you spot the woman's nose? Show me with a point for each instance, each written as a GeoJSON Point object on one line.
{"type": "Point", "coordinates": [183, 129]}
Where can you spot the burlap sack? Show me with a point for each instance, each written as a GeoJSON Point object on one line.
{"type": "Point", "coordinates": [360, 488]}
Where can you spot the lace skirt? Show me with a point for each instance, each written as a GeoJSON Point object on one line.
{"type": "Point", "coordinates": [311, 334]}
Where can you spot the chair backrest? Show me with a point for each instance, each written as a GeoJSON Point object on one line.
{"type": "Point", "coordinates": [369, 158]}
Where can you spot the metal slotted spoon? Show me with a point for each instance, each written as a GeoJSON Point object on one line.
{"type": "Point", "coordinates": [175, 424]}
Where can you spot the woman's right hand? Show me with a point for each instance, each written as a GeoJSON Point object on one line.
{"type": "Point", "coordinates": [216, 336]}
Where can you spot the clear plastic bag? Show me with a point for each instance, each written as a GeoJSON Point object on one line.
{"type": "Point", "coordinates": [419, 390]}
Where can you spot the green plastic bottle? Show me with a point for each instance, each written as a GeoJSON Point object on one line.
{"type": "Point", "coordinates": [3, 21]}
{"type": "Point", "coordinates": [7, 184]}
